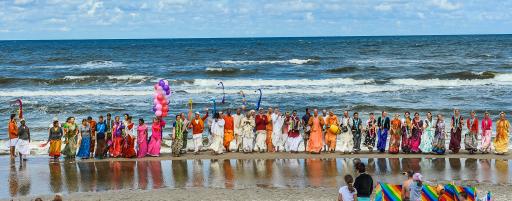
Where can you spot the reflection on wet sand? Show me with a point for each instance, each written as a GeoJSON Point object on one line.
{"type": "Point", "coordinates": [70, 176]}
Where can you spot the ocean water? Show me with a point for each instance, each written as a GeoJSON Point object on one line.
{"type": "Point", "coordinates": [366, 74]}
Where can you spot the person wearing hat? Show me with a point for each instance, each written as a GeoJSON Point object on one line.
{"type": "Point", "coordinates": [197, 125]}
{"type": "Point", "coordinates": [23, 145]}
{"type": "Point", "coordinates": [406, 184]}
{"type": "Point", "coordinates": [415, 187]}
{"type": "Point", "coordinates": [55, 140]}
{"type": "Point", "coordinates": [13, 135]}
{"type": "Point", "coordinates": [502, 134]}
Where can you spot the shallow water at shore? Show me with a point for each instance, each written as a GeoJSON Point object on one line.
{"type": "Point", "coordinates": [40, 177]}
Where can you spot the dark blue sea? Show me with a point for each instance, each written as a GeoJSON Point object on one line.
{"type": "Point", "coordinates": [61, 78]}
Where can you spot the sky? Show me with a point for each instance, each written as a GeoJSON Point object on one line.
{"type": "Point", "coordinates": [101, 19]}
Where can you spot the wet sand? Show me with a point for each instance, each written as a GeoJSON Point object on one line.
{"type": "Point", "coordinates": [233, 194]}
{"type": "Point", "coordinates": [238, 176]}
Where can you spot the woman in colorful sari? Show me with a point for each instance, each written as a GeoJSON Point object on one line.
{"type": "Point", "coordinates": [156, 137]}
{"type": "Point", "coordinates": [428, 134]}
{"type": "Point", "coordinates": [470, 139]}
{"type": "Point", "coordinates": [55, 140]}
{"type": "Point", "coordinates": [70, 136]}
{"type": "Point", "coordinates": [117, 138]}
{"type": "Point", "coordinates": [406, 132]}
{"type": "Point", "coordinates": [456, 131]}
{"type": "Point", "coordinates": [85, 140]}
{"type": "Point", "coordinates": [371, 132]}
{"type": "Point", "coordinates": [439, 138]}
{"type": "Point", "coordinates": [142, 139]}
{"type": "Point", "coordinates": [395, 132]}
{"type": "Point", "coordinates": [177, 133]}
{"type": "Point", "coordinates": [486, 133]}
{"type": "Point", "coordinates": [502, 131]}
{"type": "Point", "coordinates": [129, 139]}
{"type": "Point", "coordinates": [417, 131]}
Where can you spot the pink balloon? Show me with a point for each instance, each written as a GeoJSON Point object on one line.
{"type": "Point", "coordinates": [158, 113]}
{"type": "Point", "coordinates": [156, 86]}
{"type": "Point", "coordinates": [155, 101]}
{"type": "Point", "coordinates": [158, 107]}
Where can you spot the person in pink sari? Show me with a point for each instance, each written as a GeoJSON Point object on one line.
{"type": "Point", "coordinates": [156, 137]}
{"type": "Point", "coordinates": [142, 139]}
{"type": "Point", "coordinates": [486, 133]}
{"type": "Point", "coordinates": [417, 131]}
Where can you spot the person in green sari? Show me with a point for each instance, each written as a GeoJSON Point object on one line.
{"type": "Point", "coordinates": [177, 136]}
{"type": "Point", "coordinates": [70, 136]}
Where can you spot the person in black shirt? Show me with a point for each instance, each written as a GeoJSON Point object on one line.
{"type": "Point", "coordinates": [363, 183]}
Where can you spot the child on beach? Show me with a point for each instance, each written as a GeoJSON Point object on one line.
{"type": "Point", "coordinates": [348, 192]}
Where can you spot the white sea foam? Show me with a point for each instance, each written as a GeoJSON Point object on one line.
{"type": "Point", "coordinates": [111, 77]}
{"type": "Point", "coordinates": [275, 82]}
{"type": "Point", "coordinates": [78, 92]}
{"type": "Point", "coordinates": [290, 61]}
{"type": "Point", "coordinates": [500, 79]}
{"type": "Point", "coordinates": [302, 90]}
{"type": "Point", "coordinates": [90, 64]}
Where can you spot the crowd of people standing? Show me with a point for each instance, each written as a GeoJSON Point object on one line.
{"type": "Point", "coordinates": [266, 131]}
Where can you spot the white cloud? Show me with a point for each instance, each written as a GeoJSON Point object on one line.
{"type": "Point", "coordinates": [383, 7]}
{"type": "Point", "coordinates": [420, 15]}
{"type": "Point", "coordinates": [309, 17]}
{"type": "Point", "coordinates": [296, 5]}
{"type": "Point", "coordinates": [4, 31]}
{"type": "Point", "coordinates": [55, 21]}
{"type": "Point", "coordinates": [446, 5]}
{"type": "Point", "coordinates": [90, 7]}
{"type": "Point", "coordinates": [22, 2]}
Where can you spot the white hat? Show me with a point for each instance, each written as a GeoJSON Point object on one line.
{"type": "Point", "coordinates": [197, 113]}
{"type": "Point", "coordinates": [417, 177]}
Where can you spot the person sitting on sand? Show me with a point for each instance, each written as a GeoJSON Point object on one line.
{"type": "Point", "coordinates": [363, 183]}
{"type": "Point", "coordinates": [348, 192]}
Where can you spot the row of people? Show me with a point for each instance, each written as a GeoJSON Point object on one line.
{"type": "Point", "coordinates": [266, 131]}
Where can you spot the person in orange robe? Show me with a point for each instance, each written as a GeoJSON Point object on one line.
{"type": "Point", "coordinates": [315, 137]}
{"type": "Point", "coordinates": [396, 132]}
{"type": "Point", "coordinates": [330, 137]}
{"type": "Point", "coordinates": [13, 135]}
{"type": "Point", "coordinates": [269, 128]}
{"type": "Point", "coordinates": [229, 128]}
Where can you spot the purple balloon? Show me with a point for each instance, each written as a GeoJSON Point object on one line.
{"type": "Point", "coordinates": [166, 87]}
{"type": "Point", "coordinates": [161, 83]}
{"type": "Point", "coordinates": [167, 92]}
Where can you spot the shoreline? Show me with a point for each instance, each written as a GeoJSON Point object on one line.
{"type": "Point", "coordinates": [207, 155]}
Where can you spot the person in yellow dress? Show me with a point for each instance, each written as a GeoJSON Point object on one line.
{"type": "Point", "coordinates": [502, 131]}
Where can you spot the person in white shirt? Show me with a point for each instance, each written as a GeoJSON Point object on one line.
{"type": "Point", "coordinates": [277, 130]}
{"type": "Point", "coordinates": [237, 119]}
{"type": "Point", "coordinates": [346, 138]}
{"type": "Point", "coordinates": [217, 134]}
{"type": "Point", "coordinates": [348, 192]}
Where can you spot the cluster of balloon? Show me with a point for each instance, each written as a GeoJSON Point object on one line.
{"type": "Point", "coordinates": [162, 94]}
